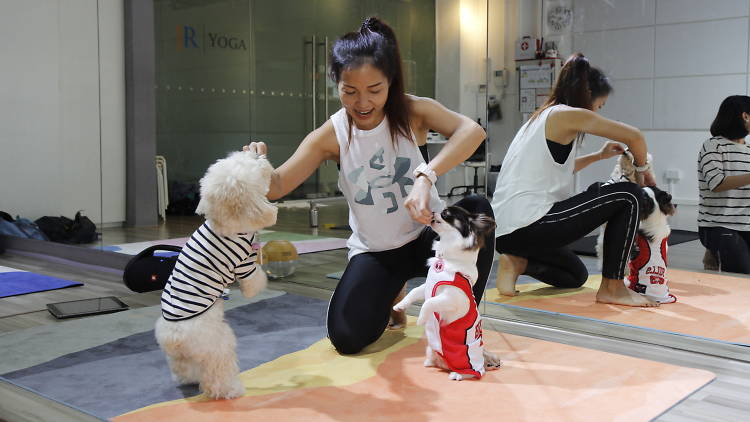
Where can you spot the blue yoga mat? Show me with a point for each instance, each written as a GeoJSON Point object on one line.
{"type": "Point", "coordinates": [14, 283]}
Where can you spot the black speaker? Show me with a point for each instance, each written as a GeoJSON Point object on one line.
{"type": "Point", "coordinates": [147, 272]}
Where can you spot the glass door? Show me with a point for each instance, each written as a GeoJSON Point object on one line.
{"type": "Point", "coordinates": [233, 71]}
{"type": "Point", "coordinates": [289, 75]}
{"type": "Point", "coordinates": [203, 92]}
{"type": "Point", "coordinates": [289, 68]}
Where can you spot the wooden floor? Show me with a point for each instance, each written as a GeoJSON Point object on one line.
{"type": "Point", "coordinates": [725, 399]}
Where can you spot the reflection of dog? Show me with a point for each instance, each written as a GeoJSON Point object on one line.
{"type": "Point", "coordinates": [648, 270]}
{"type": "Point", "coordinates": [624, 171]}
{"type": "Point", "coordinates": [452, 323]}
{"type": "Point", "coordinates": [199, 344]}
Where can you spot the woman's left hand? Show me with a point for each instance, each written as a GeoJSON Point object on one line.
{"type": "Point", "coordinates": [418, 201]}
{"type": "Point", "coordinates": [611, 149]}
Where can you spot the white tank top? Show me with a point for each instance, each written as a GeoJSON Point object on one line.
{"type": "Point", "coordinates": [375, 179]}
{"type": "Point", "coordinates": [530, 180]}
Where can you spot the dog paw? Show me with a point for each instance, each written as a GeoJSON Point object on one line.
{"type": "Point", "coordinates": [455, 376]}
{"type": "Point", "coordinates": [491, 360]}
{"type": "Point", "coordinates": [255, 284]}
{"type": "Point", "coordinates": [232, 391]}
{"type": "Point", "coordinates": [397, 319]}
{"type": "Point", "coordinates": [423, 316]}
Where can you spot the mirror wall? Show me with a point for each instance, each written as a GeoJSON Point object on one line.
{"type": "Point", "coordinates": [228, 71]}
{"type": "Point", "coordinates": [671, 67]}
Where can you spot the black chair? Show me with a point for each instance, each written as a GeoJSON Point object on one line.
{"type": "Point", "coordinates": [476, 161]}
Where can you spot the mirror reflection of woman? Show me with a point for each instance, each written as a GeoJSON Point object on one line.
{"type": "Point", "coordinates": [389, 188]}
{"type": "Point", "coordinates": [537, 211]}
{"type": "Point", "coordinates": [724, 187]}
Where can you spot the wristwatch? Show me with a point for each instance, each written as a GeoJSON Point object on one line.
{"type": "Point", "coordinates": [427, 171]}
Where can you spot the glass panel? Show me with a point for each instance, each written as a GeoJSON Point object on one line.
{"type": "Point", "coordinates": [203, 92]}
{"type": "Point", "coordinates": [283, 52]}
{"type": "Point", "coordinates": [290, 73]}
{"type": "Point", "coordinates": [414, 24]}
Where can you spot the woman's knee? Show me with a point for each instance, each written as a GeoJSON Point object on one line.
{"type": "Point", "coordinates": [346, 344]}
{"type": "Point", "coordinates": [580, 276]}
{"type": "Point", "coordinates": [350, 334]}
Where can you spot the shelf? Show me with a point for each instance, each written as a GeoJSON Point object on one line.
{"type": "Point", "coordinates": [540, 60]}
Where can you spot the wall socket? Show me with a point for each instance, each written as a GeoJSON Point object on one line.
{"type": "Point", "coordinates": [673, 175]}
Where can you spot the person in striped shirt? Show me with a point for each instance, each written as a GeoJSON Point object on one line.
{"type": "Point", "coordinates": [723, 182]}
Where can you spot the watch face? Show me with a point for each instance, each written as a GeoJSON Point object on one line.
{"type": "Point", "coordinates": [559, 17]}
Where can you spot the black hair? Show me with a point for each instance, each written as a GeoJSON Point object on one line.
{"type": "Point", "coordinates": [375, 43]}
{"type": "Point", "coordinates": [577, 85]}
{"type": "Point", "coordinates": [728, 122]}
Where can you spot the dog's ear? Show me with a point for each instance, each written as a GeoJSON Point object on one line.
{"type": "Point", "coordinates": [646, 204]}
{"type": "Point", "coordinates": [483, 223]}
{"type": "Point", "coordinates": [663, 197]}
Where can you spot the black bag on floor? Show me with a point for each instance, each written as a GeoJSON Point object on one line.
{"type": "Point", "coordinates": [56, 228]}
{"type": "Point", "coordinates": [146, 272]}
{"type": "Point", "coordinates": [83, 230]}
{"type": "Point", "coordinates": [64, 230]}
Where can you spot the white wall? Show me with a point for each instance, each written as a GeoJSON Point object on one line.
{"type": "Point", "coordinates": [461, 51]}
{"type": "Point", "coordinates": [509, 21]}
{"type": "Point", "coordinates": [50, 111]}
{"type": "Point", "coordinates": [461, 68]}
{"type": "Point", "coordinates": [672, 62]}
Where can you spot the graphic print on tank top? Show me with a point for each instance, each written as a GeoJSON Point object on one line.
{"type": "Point", "coordinates": [378, 187]}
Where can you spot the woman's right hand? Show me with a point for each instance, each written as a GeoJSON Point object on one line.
{"type": "Point", "coordinates": [259, 148]}
{"type": "Point", "coordinates": [645, 179]}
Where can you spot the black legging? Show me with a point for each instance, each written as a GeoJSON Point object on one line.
{"type": "Point", "coordinates": [361, 304]}
{"type": "Point", "coordinates": [730, 247]}
{"type": "Point", "coordinates": [544, 242]}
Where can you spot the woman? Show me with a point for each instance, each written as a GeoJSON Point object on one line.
{"type": "Point", "coordinates": [723, 179]}
{"type": "Point", "coordinates": [389, 188]}
{"type": "Point", "coordinates": [536, 210]}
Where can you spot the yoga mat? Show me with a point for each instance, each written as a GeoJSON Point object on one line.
{"type": "Point", "coordinates": [291, 372]}
{"type": "Point", "coordinates": [540, 381]}
{"type": "Point", "coordinates": [15, 282]}
{"type": "Point", "coordinates": [304, 243]}
{"type": "Point", "coordinates": [130, 372]}
{"type": "Point", "coordinates": [587, 245]}
{"type": "Point", "coordinates": [710, 306]}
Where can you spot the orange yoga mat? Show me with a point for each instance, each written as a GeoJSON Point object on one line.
{"type": "Point", "coordinates": [540, 381]}
{"type": "Point", "coordinates": [708, 305]}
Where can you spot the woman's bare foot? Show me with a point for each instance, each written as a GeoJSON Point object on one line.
{"type": "Point", "coordinates": [511, 267]}
{"type": "Point", "coordinates": [398, 318]}
{"type": "Point", "coordinates": [614, 291]}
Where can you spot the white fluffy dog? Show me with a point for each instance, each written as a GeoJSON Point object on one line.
{"type": "Point", "coordinates": [452, 323]}
{"type": "Point", "coordinates": [199, 344]}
